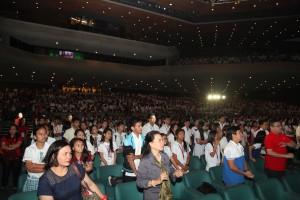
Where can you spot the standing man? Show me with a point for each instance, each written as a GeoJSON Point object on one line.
{"type": "Point", "coordinates": [132, 151]}
{"type": "Point", "coordinates": [166, 125]}
{"type": "Point", "coordinates": [235, 166]}
{"type": "Point", "coordinates": [69, 134]}
{"type": "Point", "coordinates": [150, 126]}
{"type": "Point", "coordinates": [276, 154]}
{"type": "Point", "coordinates": [188, 132]}
{"type": "Point", "coordinates": [222, 121]}
{"type": "Point", "coordinates": [263, 126]}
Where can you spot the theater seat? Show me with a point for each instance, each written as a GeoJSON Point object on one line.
{"type": "Point", "coordinates": [31, 195]}
{"type": "Point", "coordinates": [128, 190]}
{"type": "Point", "coordinates": [203, 162]}
{"type": "Point", "coordinates": [272, 189]}
{"type": "Point", "coordinates": [195, 163]}
{"type": "Point", "coordinates": [104, 171]}
{"type": "Point", "coordinates": [216, 174]}
{"type": "Point", "coordinates": [21, 181]}
{"type": "Point", "coordinates": [292, 183]}
{"type": "Point", "coordinates": [194, 179]}
{"type": "Point", "coordinates": [239, 192]}
{"type": "Point", "coordinates": [120, 159]}
{"type": "Point", "coordinates": [180, 192]}
{"type": "Point", "coordinates": [97, 161]}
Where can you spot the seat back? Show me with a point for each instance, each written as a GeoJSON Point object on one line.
{"type": "Point", "coordinates": [216, 173]}
{"type": "Point", "coordinates": [195, 178]}
{"type": "Point", "coordinates": [104, 171]}
{"type": "Point", "coordinates": [291, 183]}
{"type": "Point", "coordinates": [203, 161]}
{"type": "Point", "coordinates": [31, 195]}
{"type": "Point", "coordinates": [259, 164]}
{"type": "Point", "coordinates": [195, 163]}
{"type": "Point", "coordinates": [120, 158]}
{"type": "Point", "coordinates": [178, 188]}
{"type": "Point", "coordinates": [21, 181]}
{"type": "Point", "coordinates": [238, 191]}
{"type": "Point", "coordinates": [97, 160]}
{"type": "Point", "coordinates": [211, 197]}
{"type": "Point", "coordinates": [128, 190]}
{"type": "Point", "coordinates": [269, 189]}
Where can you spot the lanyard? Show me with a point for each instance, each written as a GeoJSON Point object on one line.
{"type": "Point", "coordinates": [181, 150]}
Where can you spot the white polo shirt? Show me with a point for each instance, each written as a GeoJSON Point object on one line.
{"type": "Point", "coordinates": [35, 155]}
{"type": "Point", "coordinates": [104, 147]}
{"type": "Point", "coordinates": [119, 139]}
{"type": "Point", "coordinates": [164, 129]}
{"type": "Point", "coordinates": [211, 161]}
{"type": "Point", "coordinates": [181, 154]}
{"type": "Point", "coordinates": [147, 128]}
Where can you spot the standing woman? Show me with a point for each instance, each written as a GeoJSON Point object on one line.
{"type": "Point", "coordinates": [212, 150]}
{"type": "Point", "coordinates": [171, 135]}
{"type": "Point", "coordinates": [181, 151]}
{"type": "Point", "coordinates": [60, 181]}
{"type": "Point", "coordinates": [11, 156]}
{"type": "Point", "coordinates": [107, 148]}
{"type": "Point", "coordinates": [155, 169]}
{"type": "Point", "coordinates": [95, 137]}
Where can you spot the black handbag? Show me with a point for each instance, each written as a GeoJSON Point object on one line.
{"type": "Point", "coordinates": [206, 188]}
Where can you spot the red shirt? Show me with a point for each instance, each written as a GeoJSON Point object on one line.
{"type": "Point", "coordinates": [272, 141]}
{"type": "Point", "coordinates": [12, 141]}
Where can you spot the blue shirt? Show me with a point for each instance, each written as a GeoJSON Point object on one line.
{"type": "Point", "coordinates": [67, 187]}
{"type": "Point", "coordinates": [234, 152]}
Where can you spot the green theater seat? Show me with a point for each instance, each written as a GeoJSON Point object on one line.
{"type": "Point", "coordinates": [239, 192]}
{"type": "Point", "coordinates": [128, 190]}
{"type": "Point", "coordinates": [32, 195]}
{"type": "Point", "coordinates": [272, 189]}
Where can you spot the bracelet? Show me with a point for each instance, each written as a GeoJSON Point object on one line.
{"type": "Point", "coordinates": [152, 183]}
{"type": "Point", "coordinates": [104, 197]}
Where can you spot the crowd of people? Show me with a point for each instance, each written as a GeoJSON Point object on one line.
{"type": "Point", "coordinates": [122, 105]}
{"type": "Point", "coordinates": [255, 58]}
{"type": "Point", "coordinates": [157, 148]}
{"type": "Point", "coordinates": [154, 154]}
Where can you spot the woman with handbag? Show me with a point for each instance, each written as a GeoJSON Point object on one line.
{"type": "Point", "coordinates": [155, 169]}
{"type": "Point", "coordinates": [11, 156]}
{"type": "Point", "coordinates": [63, 180]}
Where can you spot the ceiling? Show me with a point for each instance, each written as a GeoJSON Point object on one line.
{"type": "Point", "coordinates": [245, 24]}
{"type": "Point", "coordinates": [202, 24]}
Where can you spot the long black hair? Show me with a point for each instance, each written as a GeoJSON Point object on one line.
{"type": "Point", "coordinates": [172, 127]}
{"type": "Point", "coordinates": [185, 146]}
{"type": "Point", "coordinates": [260, 137]}
{"type": "Point", "coordinates": [51, 156]}
{"type": "Point", "coordinates": [149, 138]}
{"type": "Point", "coordinates": [211, 137]}
{"type": "Point", "coordinates": [110, 140]}
{"type": "Point", "coordinates": [85, 153]}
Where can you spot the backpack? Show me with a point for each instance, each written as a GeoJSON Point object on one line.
{"type": "Point", "coordinates": [206, 188]}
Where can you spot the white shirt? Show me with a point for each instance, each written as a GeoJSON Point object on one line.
{"type": "Point", "coordinates": [138, 150]}
{"type": "Point", "coordinates": [164, 129]}
{"type": "Point", "coordinates": [211, 161]}
{"type": "Point", "coordinates": [233, 150]}
{"type": "Point", "coordinates": [104, 147]}
{"type": "Point", "coordinates": [187, 136]}
{"type": "Point", "coordinates": [90, 147]}
{"type": "Point", "coordinates": [194, 129]}
{"type": "Point", "coordinates": [147, 128]}
{"type": "Point", "coordinates": [181, 154]}
{"type": "Point", "coordinates": [35, 155]}
{"type": "Point", "coordinates": [255, 133]}
{"type": "Point", "coordinates": [168, 151]}
{"type": "Point", "coordinates": [50, 140]}
{"type": "Point", "coordinates": [97, 141]}
{"type": "Point", "coordinates": [87, 134]}
{"type": "Point", "coordinates": [69, 134]}
{"type": "Point", "coordinates": [223, 143]}
{"type": "Point", "coordinates": [199, 148]}
{"type": "Point", "coordinates": [171, 139]}
{"type": "Point", "coordinates": [119, 139]}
